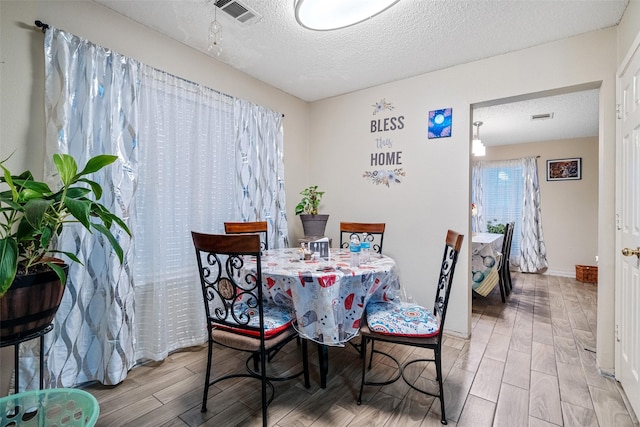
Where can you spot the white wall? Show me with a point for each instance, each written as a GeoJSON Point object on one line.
{"type": "Point", "coordinates": [569, 208]}
{"type": "Point", "coordinates": [435, 193]}
{"type": "Point", "coordinates": [628, 28]}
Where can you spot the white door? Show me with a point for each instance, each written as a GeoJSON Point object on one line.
{"type": "Point", "coordinates": [628, 234]}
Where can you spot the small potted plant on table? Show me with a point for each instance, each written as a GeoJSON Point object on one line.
{"type": "Point", "coordinates": [313, 223]}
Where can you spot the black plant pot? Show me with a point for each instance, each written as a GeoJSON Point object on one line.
{"type": "Point", "coordinates": [30, 304]}
{"type": "Point", "coordinates": [314, 225]}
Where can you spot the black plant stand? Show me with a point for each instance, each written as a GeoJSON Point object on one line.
{"type": "Point", "coordinates": [16, 343]}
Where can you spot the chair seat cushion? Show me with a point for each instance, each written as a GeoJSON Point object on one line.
{"type": "Point", "coordinates": [276, 319]}
{"type": "Point", "coordinates": [402, 319]}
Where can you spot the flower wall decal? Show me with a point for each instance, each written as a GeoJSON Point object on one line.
{"type": "Point", "coordinates": [379, 107]}
{"type": "Point", "coordinates": [384, 176]}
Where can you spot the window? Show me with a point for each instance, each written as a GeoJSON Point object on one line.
{"type": "Point", "coordinates": [500, 197]}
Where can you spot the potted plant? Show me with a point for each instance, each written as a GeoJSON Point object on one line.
{"type": "Point", "coordinates": [313, 223]}
{"type": "Point", "coordinates": [32, 216]}
{"type": "Point", "coordinates": [497, 228]}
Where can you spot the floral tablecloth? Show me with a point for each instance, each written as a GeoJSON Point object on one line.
{"type": "Point", "coordinates": [328, 297]}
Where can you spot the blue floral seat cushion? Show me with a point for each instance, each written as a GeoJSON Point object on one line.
{"type": "Point", "coordinates": [402, 319]}
{"type": "Point", "coordinates": [276, 319]}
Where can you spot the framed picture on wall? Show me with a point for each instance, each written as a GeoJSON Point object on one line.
{"type": "Point", "coordinates": [440, 123]}
{"type": "Point", "coordinates": [564, 169]}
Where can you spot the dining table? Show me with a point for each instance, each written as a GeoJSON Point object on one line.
{"type": "Point", "coordinates": [485, 260]}
{"type": "Point", "coordinates": [328, 296]}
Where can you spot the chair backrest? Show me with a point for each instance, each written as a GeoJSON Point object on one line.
{"type": "Point", "coordinates": [508, 229]}
{"type": "Point", "coordinates": [506, 242]}
{"type": "Point", "coordinates": [231, 298]}
{"type": "Point", "coordinates": [374, 230]}
{"type": "Point", "coordinates": [451, 250]}
{"type": "Point", "coordinates": [259, 227]}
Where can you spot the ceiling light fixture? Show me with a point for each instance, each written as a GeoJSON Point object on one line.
{"type": "Point", "coordinates": [477, 147]}
{"type": "Point", "coordinates": [215, 34]}
{"type": "Point", "coordinates": [324, 15]}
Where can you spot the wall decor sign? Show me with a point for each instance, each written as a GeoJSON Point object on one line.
{"type": "Point", "coordinates": [440, 123]}
{"type": "Point", "coordinates": [386, 160]}
{"type": "Point", "coordinates": [564, 169]}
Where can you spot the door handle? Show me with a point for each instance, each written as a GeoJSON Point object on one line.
{"type": "Point", "coordinates": [631, 252]}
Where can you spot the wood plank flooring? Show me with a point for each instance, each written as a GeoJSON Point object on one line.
{"type": "Point", "coordinates": [530, 362]}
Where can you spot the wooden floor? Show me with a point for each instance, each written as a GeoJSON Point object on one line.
{"type": "Point", "coordinates": [530, 362]}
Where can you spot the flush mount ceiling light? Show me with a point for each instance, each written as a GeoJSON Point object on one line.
{"type": "Point", "coordinates": [324, 15]}
{"type": "Point", "coordinates": [477, 147]}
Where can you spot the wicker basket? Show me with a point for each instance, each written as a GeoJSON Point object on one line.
{"type": "Point", "coordinates": [587, 273]}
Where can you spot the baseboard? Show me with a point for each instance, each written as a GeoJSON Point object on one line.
{"type": "Point", "coordinates": [456, 334]}
{"type": "Point", "coordinates": [561, 273]}
{"type": "Point", "coordinates": [550, 272]}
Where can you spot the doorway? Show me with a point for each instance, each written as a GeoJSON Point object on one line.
{"type": "Point", "coordinates": [569, 242]}
{"type": "Point", "coordinates": [551, 126]}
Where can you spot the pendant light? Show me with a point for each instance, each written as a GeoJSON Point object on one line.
{"type": "Point", "coordinates": [215, 34]}
{"type": "Point", "coordinates": [477, 147]}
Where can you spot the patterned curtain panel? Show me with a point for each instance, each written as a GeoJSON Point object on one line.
{"type": "Point", "coordinates": [260, 169]}
{"type": "Point", "coordinates": [477, 197]}
{"type": "Point", "coordinates": [90, 104]}
{"type": "Point", "coordinates": [533, 252]}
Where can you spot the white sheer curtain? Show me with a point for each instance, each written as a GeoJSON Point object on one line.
{"type": "Point", "coordinates": [177, 144]}
{"type": "Point", "coordinates": [507, 191]}
{"type": "Point", "coordinates": [186, 183]}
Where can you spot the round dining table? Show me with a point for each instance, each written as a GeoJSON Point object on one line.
{"type": "Point", "coordinates": [328, 296]}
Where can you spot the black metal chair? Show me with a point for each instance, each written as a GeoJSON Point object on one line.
{"type": "Point", "coordinates": [238, 316]}
{"type": "Point", "coordinates": [412, 325]}
{"type": "Point", "coordinates": [250, 227]}
{"type": "Point", "coordinates": [375, 233]}
{"type": "Point", "coordinates": [503, 262]}
{"type": "Point", "coordinates": [504, 271]}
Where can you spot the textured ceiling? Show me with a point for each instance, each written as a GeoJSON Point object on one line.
{"type": "Point", "coordinates": [575, 115]}
{"type": "Point", "coordinates": [411, 38]}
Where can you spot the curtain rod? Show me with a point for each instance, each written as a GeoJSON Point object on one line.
{"type": "Point", "coordinates": [504, 160]}
{"type": "Point", "coordinates": [42, 25]}
{"type": "Point", "coordinates": [45, 27]}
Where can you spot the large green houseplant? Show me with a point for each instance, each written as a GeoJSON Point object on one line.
{"type": "Point", "coordinates": [32, 215]}
{"type": "Point", "coordinates": [313, 224]}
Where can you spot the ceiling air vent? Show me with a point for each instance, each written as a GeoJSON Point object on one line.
{"type": "Point", "coordinates": [542, 116]}
{"type": "Point", "coordinates": [238, 11]}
